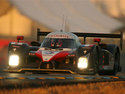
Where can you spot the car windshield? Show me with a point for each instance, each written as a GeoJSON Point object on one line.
{"type": "Point", "coordinates": [58, 43]}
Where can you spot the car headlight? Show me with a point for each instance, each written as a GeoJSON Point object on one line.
{"type": "Point", "coordinates": [13, 60]}
{"type": "Point", "coordinates": [82, 63]}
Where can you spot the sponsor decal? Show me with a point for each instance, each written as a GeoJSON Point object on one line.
{"type": "Point", "coordinates": [18, 43]}
{"type": "Point", "coordinates": [59, 36]}
{"type": "Point", "coordinates": [47, 55]}
{"type": "Point", "coordinates": [48, 52]}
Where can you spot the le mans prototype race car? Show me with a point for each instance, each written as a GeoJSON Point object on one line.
{"type": "Point", "coordinates": [63, 51]}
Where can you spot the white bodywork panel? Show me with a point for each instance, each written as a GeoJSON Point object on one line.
{"type": "Point", "coordinates": [47, 54]}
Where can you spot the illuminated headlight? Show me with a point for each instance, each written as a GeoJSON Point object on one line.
{"type": "Point", "coordinates": [82, 63]}
{"type": "Point", "coordinates": [13, 60]}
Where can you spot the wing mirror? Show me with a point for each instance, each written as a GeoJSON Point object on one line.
{"type": "Point", "coordinates": [97, 40]}
{"type": "Point", "coordinates": [34, 43]}
{"type": "Point", "coordinates": [20, 38]}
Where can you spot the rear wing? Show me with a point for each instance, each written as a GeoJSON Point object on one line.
{"type": "Point", "coordinates": [85, 35]}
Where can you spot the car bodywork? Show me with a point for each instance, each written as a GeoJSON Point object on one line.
{"type": "Point", "coordinates": [62, 50]}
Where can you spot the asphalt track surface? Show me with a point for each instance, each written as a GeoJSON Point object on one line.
{"type": "Point", "coordinates": [21, 80]}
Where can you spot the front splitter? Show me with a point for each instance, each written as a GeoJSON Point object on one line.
{"type": "Point", "coordinates": [23, 70]}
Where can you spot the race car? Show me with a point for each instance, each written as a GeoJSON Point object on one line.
{"type": "Point", "coordinates": [63, 51]}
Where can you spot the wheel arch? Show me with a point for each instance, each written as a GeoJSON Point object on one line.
{"type": "Point", "coordinates": [113, 48]}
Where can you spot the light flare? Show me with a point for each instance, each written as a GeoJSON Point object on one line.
{"type": "Point", "coordinates": [82, 63]}
{"type": "Point", "coordinates": [13, 60]}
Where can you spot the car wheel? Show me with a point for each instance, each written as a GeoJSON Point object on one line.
{"type": "Point", "coordinates": [116, 64]}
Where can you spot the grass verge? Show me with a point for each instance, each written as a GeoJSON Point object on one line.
{"type": "Point", "coordinates": [90, 88]}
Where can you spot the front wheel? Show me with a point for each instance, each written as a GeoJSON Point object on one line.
{"type": "Point", "coordinates": [116, 64]}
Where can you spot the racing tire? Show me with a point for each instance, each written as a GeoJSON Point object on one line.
{"type": "Point", "coordinates": [116, 64]}
{"type": "Point", "coordinates": [116, 53]}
